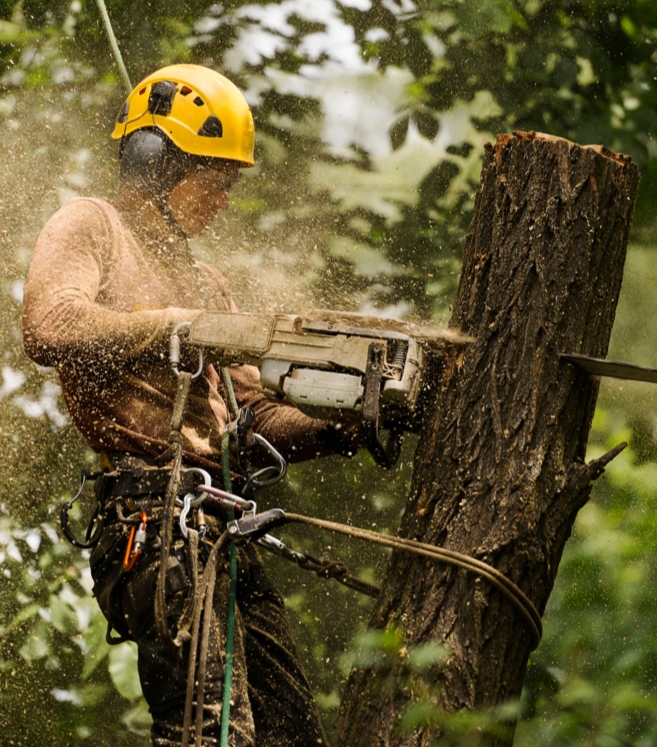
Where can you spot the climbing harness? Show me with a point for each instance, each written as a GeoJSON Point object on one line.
{"type": "Point", "coordinates": [244, 524]}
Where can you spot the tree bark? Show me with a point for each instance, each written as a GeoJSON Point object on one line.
{"type": "Point", "coordinates": [499, 472]}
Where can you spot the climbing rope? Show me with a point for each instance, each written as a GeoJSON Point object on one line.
{"type": "Point", "coordinates": [255, 527]}
{"type": "Point", "coordinates": [514, 594]}
{"type": "Point", "coordinates": [232, 592]}
{"type": "Point", "coordinates": [114, 44]}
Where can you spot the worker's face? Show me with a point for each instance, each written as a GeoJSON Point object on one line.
{"type": "Point", "coordinates": [200, 194]}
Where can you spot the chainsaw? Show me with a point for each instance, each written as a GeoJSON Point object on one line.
{"type": "Point", "coordinates": [328, 363]}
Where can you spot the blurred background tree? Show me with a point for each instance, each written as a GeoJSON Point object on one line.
{"type": "Point", "coordinates": [370, 116]}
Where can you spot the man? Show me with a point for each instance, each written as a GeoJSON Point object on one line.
{"type": "Point", "coordinates": [107, 286]}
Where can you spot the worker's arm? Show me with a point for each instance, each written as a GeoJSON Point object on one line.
{"type": "Point", "coordinates": [296, 436]}
{"type": "Point", "coordinates": [62, 319]}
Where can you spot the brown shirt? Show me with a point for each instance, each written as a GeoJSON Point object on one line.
{"type": "Point", "coordinates": [103, 294]}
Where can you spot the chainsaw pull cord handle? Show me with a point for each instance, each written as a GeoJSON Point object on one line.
{"type": "Point", "coordinates": [385, 456]}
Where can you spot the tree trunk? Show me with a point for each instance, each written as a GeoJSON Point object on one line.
{"type": "Point", "coordinates": [499, 473]}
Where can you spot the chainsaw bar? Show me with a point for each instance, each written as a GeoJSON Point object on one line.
{"type": "Point", "coordinates": [614, 369]}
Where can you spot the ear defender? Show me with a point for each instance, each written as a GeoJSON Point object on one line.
{"type": "Point", "coordinates": [150, 163]}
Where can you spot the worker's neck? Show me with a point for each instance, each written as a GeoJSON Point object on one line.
{"type": "Point", "coordinates": [145, 217]}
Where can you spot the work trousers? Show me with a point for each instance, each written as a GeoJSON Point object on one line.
{"type": "Point", "coordinates": [271, 701]}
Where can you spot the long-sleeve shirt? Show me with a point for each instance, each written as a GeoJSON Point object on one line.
{"type": "Point", "coordinates": [104, 291]}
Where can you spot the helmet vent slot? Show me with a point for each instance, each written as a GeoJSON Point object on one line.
{"type": "Point", "coordinates": [199, 101]}
{"type": "Point", "coordinates": [185, 91]}
{"type": "Point", "coordinates": [212, 127]}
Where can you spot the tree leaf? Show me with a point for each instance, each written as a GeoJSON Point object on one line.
{"type": "Point", "coordinates": [123, 670]}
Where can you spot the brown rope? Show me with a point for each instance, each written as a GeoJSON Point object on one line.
{"type": "Point", "coordinates": [515, 595]}
{"type": "Point", "coordinates": [166, 531]}
{"type": "Point", "coordinates": [205, 643]}
{"type": "Point", "coordinates": [187, 616]}
{"type": "Point", "coordinates": [205, 592]}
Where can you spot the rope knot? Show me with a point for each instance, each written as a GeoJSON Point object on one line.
{"type": "Point", "coordinates": [331, 569]}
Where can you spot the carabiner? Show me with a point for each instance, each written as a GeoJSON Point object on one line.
{"type": "Point", "coordinates": [136, 540]}
{"type": "Point", "coordinates": [174, 352]}
{"type": "Point", "coordinates": [230, 501]}
{"type": "Point", "coordinates": [207, 482]}
{"type": "Point", "coordinates": [95, 527]}
{"type": "Point", "coordinates": [187, 504]}
{"type": "Point", "coordinates": [266, 476]}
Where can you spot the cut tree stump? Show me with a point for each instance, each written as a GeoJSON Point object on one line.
{"type": "Point", "coordinates": [499, 472]}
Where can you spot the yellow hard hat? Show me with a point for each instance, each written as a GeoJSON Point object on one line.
{"type": "Point", "coordinates": [199, 109]}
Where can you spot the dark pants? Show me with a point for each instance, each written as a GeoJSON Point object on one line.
{"type": "Point", "coordinates": [271, 702]}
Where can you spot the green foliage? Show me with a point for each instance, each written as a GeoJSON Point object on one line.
{"type": "Point", "coordinates": [53, 641]}
{"type": "Point", "coordinates": [593, 679]}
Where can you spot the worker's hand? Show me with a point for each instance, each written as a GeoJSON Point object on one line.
{"type": "Point", "coordinates": [342, 434]}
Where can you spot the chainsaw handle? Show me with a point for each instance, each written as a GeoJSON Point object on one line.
{"type": "Point", "coordinates": [388, 455]}
{"type": "Point", "coordinates": [385, 456]}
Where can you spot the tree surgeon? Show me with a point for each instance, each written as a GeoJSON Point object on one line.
{"type": "Point", "coordinates": [107, 286]}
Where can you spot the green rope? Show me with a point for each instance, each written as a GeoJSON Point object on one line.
{"type": "Point", "coordinates": [114, 44]}
{"type": "Point", "coordinates": [232, 593]}
{"type": "Point", "coordinates": [228, 386]}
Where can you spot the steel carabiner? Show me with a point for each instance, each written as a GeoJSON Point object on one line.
{"type": "Point", "coordinates": [174, 352]}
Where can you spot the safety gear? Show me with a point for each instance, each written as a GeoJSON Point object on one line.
{"type": "Point", "coordinates": [151, 164]}
{"type": "Point", "coordinates": [198, 109]}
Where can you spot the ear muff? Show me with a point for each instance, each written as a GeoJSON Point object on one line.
{"type": "Point", "coordinates": [150, 163]}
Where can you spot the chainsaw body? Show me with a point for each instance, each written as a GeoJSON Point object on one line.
{"type": "Point", "coordinates": [328, 362]}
